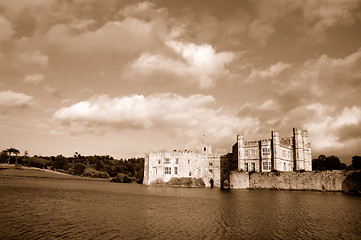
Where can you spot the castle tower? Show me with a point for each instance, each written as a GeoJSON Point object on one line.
{"type": "Point", "coordinates": [240, 151]}
{"type": "Point", "coordinates": [298, 149]}
{"type": "Point", "coordinates": [276, 151]}
{"type": "Point", "coordinates": [146, 171]}
{"type": "Point", "coordinates": [305, 150]}
{"type": "Point", "coordinates": [207, 147]}
{"type": "Point", "coordinates": [309, 167]}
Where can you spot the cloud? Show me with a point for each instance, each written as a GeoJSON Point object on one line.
{"type": "Point", "coordinates": [317, 17]}
{"type": "Point", "coordinates": [15, 8]}
{"type": "Point", "coordinates": [200, 63]}
{"type": "Point", "coordinates": [114, 37]}
{"type": "Point", "coordinates": [143, 10]}
{"type": "Point", "coordinates": [185, 117]}
{"type": "Point", "coordinates": [327, 126]}
{"type": "Point", "coordinates": [329, 77]}
{"type": "Point", "coordinates": [270, 73]}
{"type": "Point", "coordinates": [208, 27]}
{"type": "Point", "coordinates": [34, 78]}
{"type": "Point", "coordinates": [6, 29]}
{"type": "Point", "coordinates": [10, 99]}
{"type": "Point", "coordinates": [261, 30]}
{"type": "Point", "coordinates": [322, 15]}
{"type": "Point", "coordinates": [34, 57]}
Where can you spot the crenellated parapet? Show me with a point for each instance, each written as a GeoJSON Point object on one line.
{"type": "Point", "coordinates": [286, 142]}
{"type": "Point", "coordinates": [251, 144]}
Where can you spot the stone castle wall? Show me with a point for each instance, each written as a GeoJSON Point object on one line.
{"type": "Point", "coordinates": [336, 180]}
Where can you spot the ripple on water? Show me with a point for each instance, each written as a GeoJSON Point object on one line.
{"type": "Point", "coordinates": [53, 208]}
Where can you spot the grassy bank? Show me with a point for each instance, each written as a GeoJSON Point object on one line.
{"type": "Point", "coordinates": [101, 167]}
{"type": "Point", "coordinates": [9, 170]}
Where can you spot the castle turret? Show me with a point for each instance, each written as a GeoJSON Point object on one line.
{"type": "Point", "coordinates": [306, 150]}
{"type": "Point", "coordinates": [309, 168]}
{"type": "Point", "coordinates": [207, 146]}
{"type": "Point", "coordinates": [275, 150]}
{"type": "Point", "coordinates": [298, 149]}
{"type": "Point", "coordinates": [240, 151]}
{"type": "Point", "coordinates": [146, 180]}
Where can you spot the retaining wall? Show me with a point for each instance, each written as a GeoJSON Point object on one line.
{"type": "Point", "coordinates": [336, 180]}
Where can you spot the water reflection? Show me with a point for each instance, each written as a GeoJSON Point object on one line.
{"type": "Point", "coordinates": [54, 208]}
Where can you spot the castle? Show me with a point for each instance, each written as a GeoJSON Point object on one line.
{"type": "Point", "coordinates": [281, 154]}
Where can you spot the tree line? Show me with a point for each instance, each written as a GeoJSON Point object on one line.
{"type": "Point", "coordinates": [122, 170]}
{"type": "Point", "coordinates": [332, 162]}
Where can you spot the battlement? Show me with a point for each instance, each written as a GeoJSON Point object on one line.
{"type": "Point", "coordinates": [173, 153]}
{"type": "Point", "coordinates": [251, 144]}
{"type": "Point", "coordinates": [240, 137]}
{"type": "Point", "coordinates": [304, 133]}
{"type": "Point", "coordinates": [285, 142]}
{"type": "Point", "coordinates": [298, 131]}
{"type": "Point", "coordinates": [178, 153]}
{"type": "Point", "coordinates": [265, 141]}
{"type": "Point", "coordinates": [275, 134]}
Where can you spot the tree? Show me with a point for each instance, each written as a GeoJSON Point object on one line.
{"type": "Point", "coordinates": [4, 156]}
{"type": "Point", "coordinates": [78, 169]}
{"type": "Point", "coordinates": [60, 162]}
{"type": "Point", "coordinates": [15, 151]}
{"type": "Point", "coordinates": [356, 162]}
{"type": "Point", "coordinates": [327, 163]}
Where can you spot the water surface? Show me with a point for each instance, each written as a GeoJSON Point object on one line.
{"type": "Point", "coordinates": [40, 208]}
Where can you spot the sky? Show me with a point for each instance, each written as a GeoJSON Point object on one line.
{"type": "Point", "coordinates": [125, 78]}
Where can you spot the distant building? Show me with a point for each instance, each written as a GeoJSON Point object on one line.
{"type": "Point", "coordinates": [280, 154]}
{"type": "Point", "coordinates": [162, 166]}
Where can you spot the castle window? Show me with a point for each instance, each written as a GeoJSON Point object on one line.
{"type": "Point", "coordinates": [189, 161]}
{"type": "Point", "coordinates": [266, 151]}
{"type": "Point", "coordinates": [158, 161]}
{"type": "Point", "coordinates": [190, 173]}
{"type": "Point", "coordinates": [211, 164]}
{"type": "Point", "coordinates": [167, 170]}
{"type": "Point", "coordinates": [253, 166]}
{"type": "Point", "coordinates": [266, 166]}
{"type": "Point", "coordinates": [176, 170]}
{"type": "Point", "coordinates": [176, 160]}
{"type": "Point", "coordinates": [204, 149]}
{"type": "Point", "coordinates": [166, 161]}
{"type": "Point", "coordinates": [246, 164]}
{"type": "Point", "coordinates": [210, 171]}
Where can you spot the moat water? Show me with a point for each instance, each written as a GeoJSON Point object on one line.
{"type": "Point", "coordinates": [38, 208]}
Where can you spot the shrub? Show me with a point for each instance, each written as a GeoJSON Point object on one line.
{"type": "Point", "coordinates": [122, 178]}
{"type": "Point", "coordinates": [78, 169]}
{"type": "Point", "coordinates": [89, 172]}
{"type": "Point", "coordinates": [60, 162]}
{"type": "Point", "coordinates": [4, 157]}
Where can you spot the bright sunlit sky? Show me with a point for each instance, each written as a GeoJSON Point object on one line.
{"type": "Point", "coordinates": [125, 78]}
